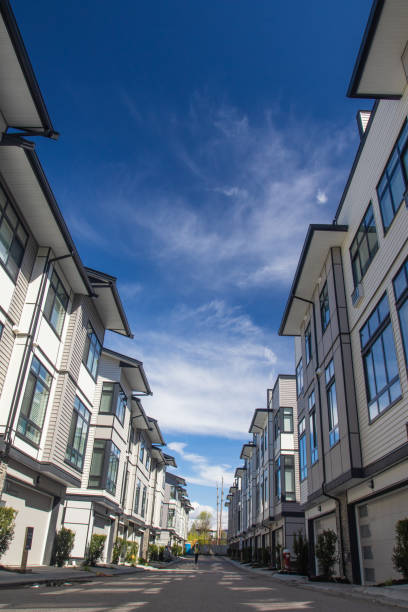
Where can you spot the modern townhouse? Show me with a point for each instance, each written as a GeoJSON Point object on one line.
{"type": "Point", "coordinates": [348, 305]}
{"type": "Point", "coordinates": [176, 509]}
{"type": "Point", "coordinates": [263, 503]}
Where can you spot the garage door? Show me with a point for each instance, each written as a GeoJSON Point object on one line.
{"type": "Point", "coordinates": [376, 521]}
{"type": "Point", "coordinates": [323, 524]}
{"type": "Point", "coordinates": [34, 510]}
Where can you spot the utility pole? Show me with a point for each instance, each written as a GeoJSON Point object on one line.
{"type": "Point", "coordinates": [222, 499]}
{"type": "Point", "coordinates": [216, 533]}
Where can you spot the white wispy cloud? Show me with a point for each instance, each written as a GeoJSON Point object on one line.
{"type": "Point", "coordinates": [203, 472]}
{"type": "Point", "coordinates": [321, 197]}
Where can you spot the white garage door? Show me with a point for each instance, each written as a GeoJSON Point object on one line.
{"type": "Point", "coordinates": [323, 524]}
{"type": "Point", "coordinates": [376, 522]}
{"type": "Point", "coordinates": [34, 510]}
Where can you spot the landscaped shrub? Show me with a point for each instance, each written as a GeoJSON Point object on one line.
{"type": "Point", "coordinates": [161, 553]}
{"type": "Point", "coordinates": [400, 556]}
{"type": "Point", "coordinates": [7, 524]}
{"type": "Point", "coordinates": [176, 550]}
{"type": "Point", "coordinates": [131, 552]}
{"type": "Point", "coordinates": [326, 552]}
{"type": "Point", "coordinates": [119, 550]}
{"type": "Point", "coordinates": [301, 550]}
{"type": "Point", "coordinates": [153, 552]}
{"type": "Point", "coordinates": [64, 543]}
{"type": "Point", "coordinates": [95, 549]}
{"type": "Point", "coordinates": [264, 556]}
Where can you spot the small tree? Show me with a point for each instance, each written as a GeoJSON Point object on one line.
{"type": "Point", "coordinates": [119, 550]}
{"type": "Point", "coordinates": [7, 524]}
{"type": "Point", "coordinates": [95, 549]}
{"type": "Point", "coordinates": [64, 543]}
{"type": "Point", "coordinates": [153, 552]}
{"type": "Point", "coordinates": [131, 552]}
{"type": "Point", "coordinates": [400, 556]}
{"type": "Point", "coordinates": [326, 552]}
{"type": "Point", "coordinates": [301, 550]}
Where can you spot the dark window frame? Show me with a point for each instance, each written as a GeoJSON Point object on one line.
{"type": "Point", "coordinates": [324, 307]}
{"type": "Point", "coordinates": [92, 343]}
{"type": "Point", "coordinates": [302, 449]}
{"type": "Point", "coordinates": [289, 466]}
{"type": "Point", "coordinates": [137, 496]}
{"type": "Point", "coordinates": [117, 395]}
{"type": "Point", "coordinates": [51, 301]}
{"type": "Point", "coordinates": [361, 241]}
{"type": "Point", "coordinates": [24, 421]}
{"type": "Point", "coordinates": [399, 150]}
{"type": "Point", "coordinates": [314, 450]}
{"type": "Point", "coordinates": [383, 327]}
{"type": "Point", "coordinates": [401, 302]}
{"type": "Point", "coordinates": [308, 344]}
{"type": "Point", "coordinates": [78, 413]}
{"type": "Point", "coordinates": [289, 412]}
{"type": "Point", "coordinates": [109, 451]}
{"type": "Point", "coordinates": [299, 377]}
{"type": "Point", "coordinates": [1, 329]}
{"type": "Point", "coordinates": [334, 432]}
{"type": "Point", "coordinates": [19, 226]}
{"type": "Point", "coordinates": [278, 478]}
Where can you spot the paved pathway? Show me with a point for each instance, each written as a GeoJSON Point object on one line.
{"type": "Point", "coordinates": [213, 586]}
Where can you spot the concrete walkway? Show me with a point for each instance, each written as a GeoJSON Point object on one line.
{"type": "Point", "coordinates": [393, 595]}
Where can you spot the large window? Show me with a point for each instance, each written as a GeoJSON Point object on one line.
{"type": "Point", "coordinates": [173, 492]}
{"type": "Point", "coordinates": [56, 304]}
{"type": "Point", "coordinates": [302, 449]}
{"type": "Point", "coordinates": [364, 246]}
{"type": "Point", "coordinates": [170, 518]}
{"type": "Point", "coordinates": [287, 418]}
{"type": "Point", "coordinates": [380, 361]}
{"type": "Point", "coordinates": [13, 237]}
{"type": "Point", "coordinates": [324, 308]}
{"type": "Point", "coordinates": [276, 426]}
{"type": "Point", "coordinates": [34, 403]}
{"type": "Point", "coordinates": [278, 487]}
{"type": "Point", "coordinates": [78, 435]}
{"type": "Point", "coordinates": [314, 455]}
{"type": "Point", "coordinates": [143, 504]}
{"type": "Point", "coordinates": [332, 404]}
{"type": "Point", "coordinates": [104, 466]}
{"type": "Point", "coordinates": [392, 186]}
{"type": "Point", "coordinates": [142, 449]}
{"type": "Point", "coordinates": [299, 378]}
{"type": "Point", "coordinates": [92, 351]}
{"type": "Point", "coordinates": [289, 477]}
{"type": "Point", "coordinates": [401, 298]}
{"type": "Point", "coordinates": [137, 497]}
{"type": "Point", "coordinates": [308, 344]}
{"type": "Point", "coordinates": [113, 400]}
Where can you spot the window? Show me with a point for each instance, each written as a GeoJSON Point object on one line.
{"type": "Point", "coordinates": [148, 461]}
{"type": "Point", "coordinates": [34, 403]}
{"type": "Point", "coordinates": [56, 304]}
{"type": "Point", "coordinates": [142, 449]}
{"type": "Point", "coordinates": [289, 477]}
{"type": "Point", "coordinates": [302, 449]}
{"type": "Point", "coordinates": [308, 344]}
{"type": "Point", "coordinates": [324, 308]}
{"type": "Point", "coordinates": [312, 428]}
{"type": "Point", "coordinates": [392, 186]}
{"type": "Point", "coordinates": [262, 443]}
{"type": "Point", "coordinates": [276, 425]}
{"type": "Point", "coordinates": [137, 497]}
{"type": "Point", "coordinates": [113, 400]}
{"type": "Point", "coordinates": [13, 237]}
{"type": "Point", "coordinates": [380, 361]}
{"type": "Point", "coordinates": [401, 295]}
{"type": "Point", "coordinates": [364, 246]}
{"type": "Point", "coordinates": [92, 351]}
{"type": "Point", "coordinates": [170, 518]}
{"type": "Point", "coordinates": [104, 466]}
{"type": "Point", "coordinates": [266, 438]}
{"type": "Point", "coordinates": [287, 420]}
{"type": "Point", "coordinates": [278, 488]}
{"type": "Point", "coordinates": [1, 329]}
{"type": "Point", "coordinates": [266, 490]}
{"type": "Point", "coordinates": [143, 505]}
{"type": "Point", "coordinates": [78, 435]}
{"type": "Point", "coordinates": [299, 378]}
{"type": "Point", "coordinates": [332, 404]}
{"type": "Point", "coordinates": [173, 492]}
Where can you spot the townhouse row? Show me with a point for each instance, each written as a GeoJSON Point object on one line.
{"type": "Point", "coordinates": [348, 310]}
{"type": "Point", "coordinates": [76, 446]}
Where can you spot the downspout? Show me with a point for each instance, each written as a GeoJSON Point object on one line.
{"type": "Point", "coordinates": [336, 499]}
{"type": "Point", "coordinates": [26, 358]}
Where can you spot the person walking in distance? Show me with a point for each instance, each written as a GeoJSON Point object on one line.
{"type": "Point", "coordinates": [196, 551]}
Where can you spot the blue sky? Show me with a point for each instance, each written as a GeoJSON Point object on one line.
{"type": "Point", "coordinates": [198, 141]}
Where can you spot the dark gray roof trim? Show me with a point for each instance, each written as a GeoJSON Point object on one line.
{"type": "Point", "coordinates": [362, 56]}
{"type": "Point", "coordinates": [169, 460]}
{"type": "Point", "coordinates": [49, 196]}
{"type": "Point", "coordinates": [156, 426]}
{"type": "Point", "coordinates": [257, 410]}
{"type": "Point", "coordinates": [96, 277]}
{"type": "Point", "coordinates": [26, 67]}
{"type": "Point", "coordinates": [312, 229]}
{"type": "Point", "coordinates": [126, 361]}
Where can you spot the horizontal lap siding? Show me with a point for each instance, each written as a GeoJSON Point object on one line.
{"type": "Point", "coordinates": [389, 430]}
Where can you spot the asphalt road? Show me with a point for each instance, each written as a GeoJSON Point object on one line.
{"type": "Point", "coordinates": [214, 585]}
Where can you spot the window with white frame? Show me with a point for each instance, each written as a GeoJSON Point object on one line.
{"type": "Point", "coordinates": [380, 361]}
{"type": "Point", "coordinates": [34, 404]}
{"type": "Point", "coordinates": [78, 435]}
{"type": "Point", "coordinates": [56, 304]}
{"type": "Point", "coordinates": [332, 404]}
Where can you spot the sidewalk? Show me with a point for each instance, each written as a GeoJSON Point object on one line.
{"type": "Point", "coordinates": [49, 574]}
{"type": "Point", "coordinates": [394, 595]}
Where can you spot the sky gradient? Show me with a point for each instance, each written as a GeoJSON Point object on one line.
{"type": "Point", "coordinates": [198, 142]}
